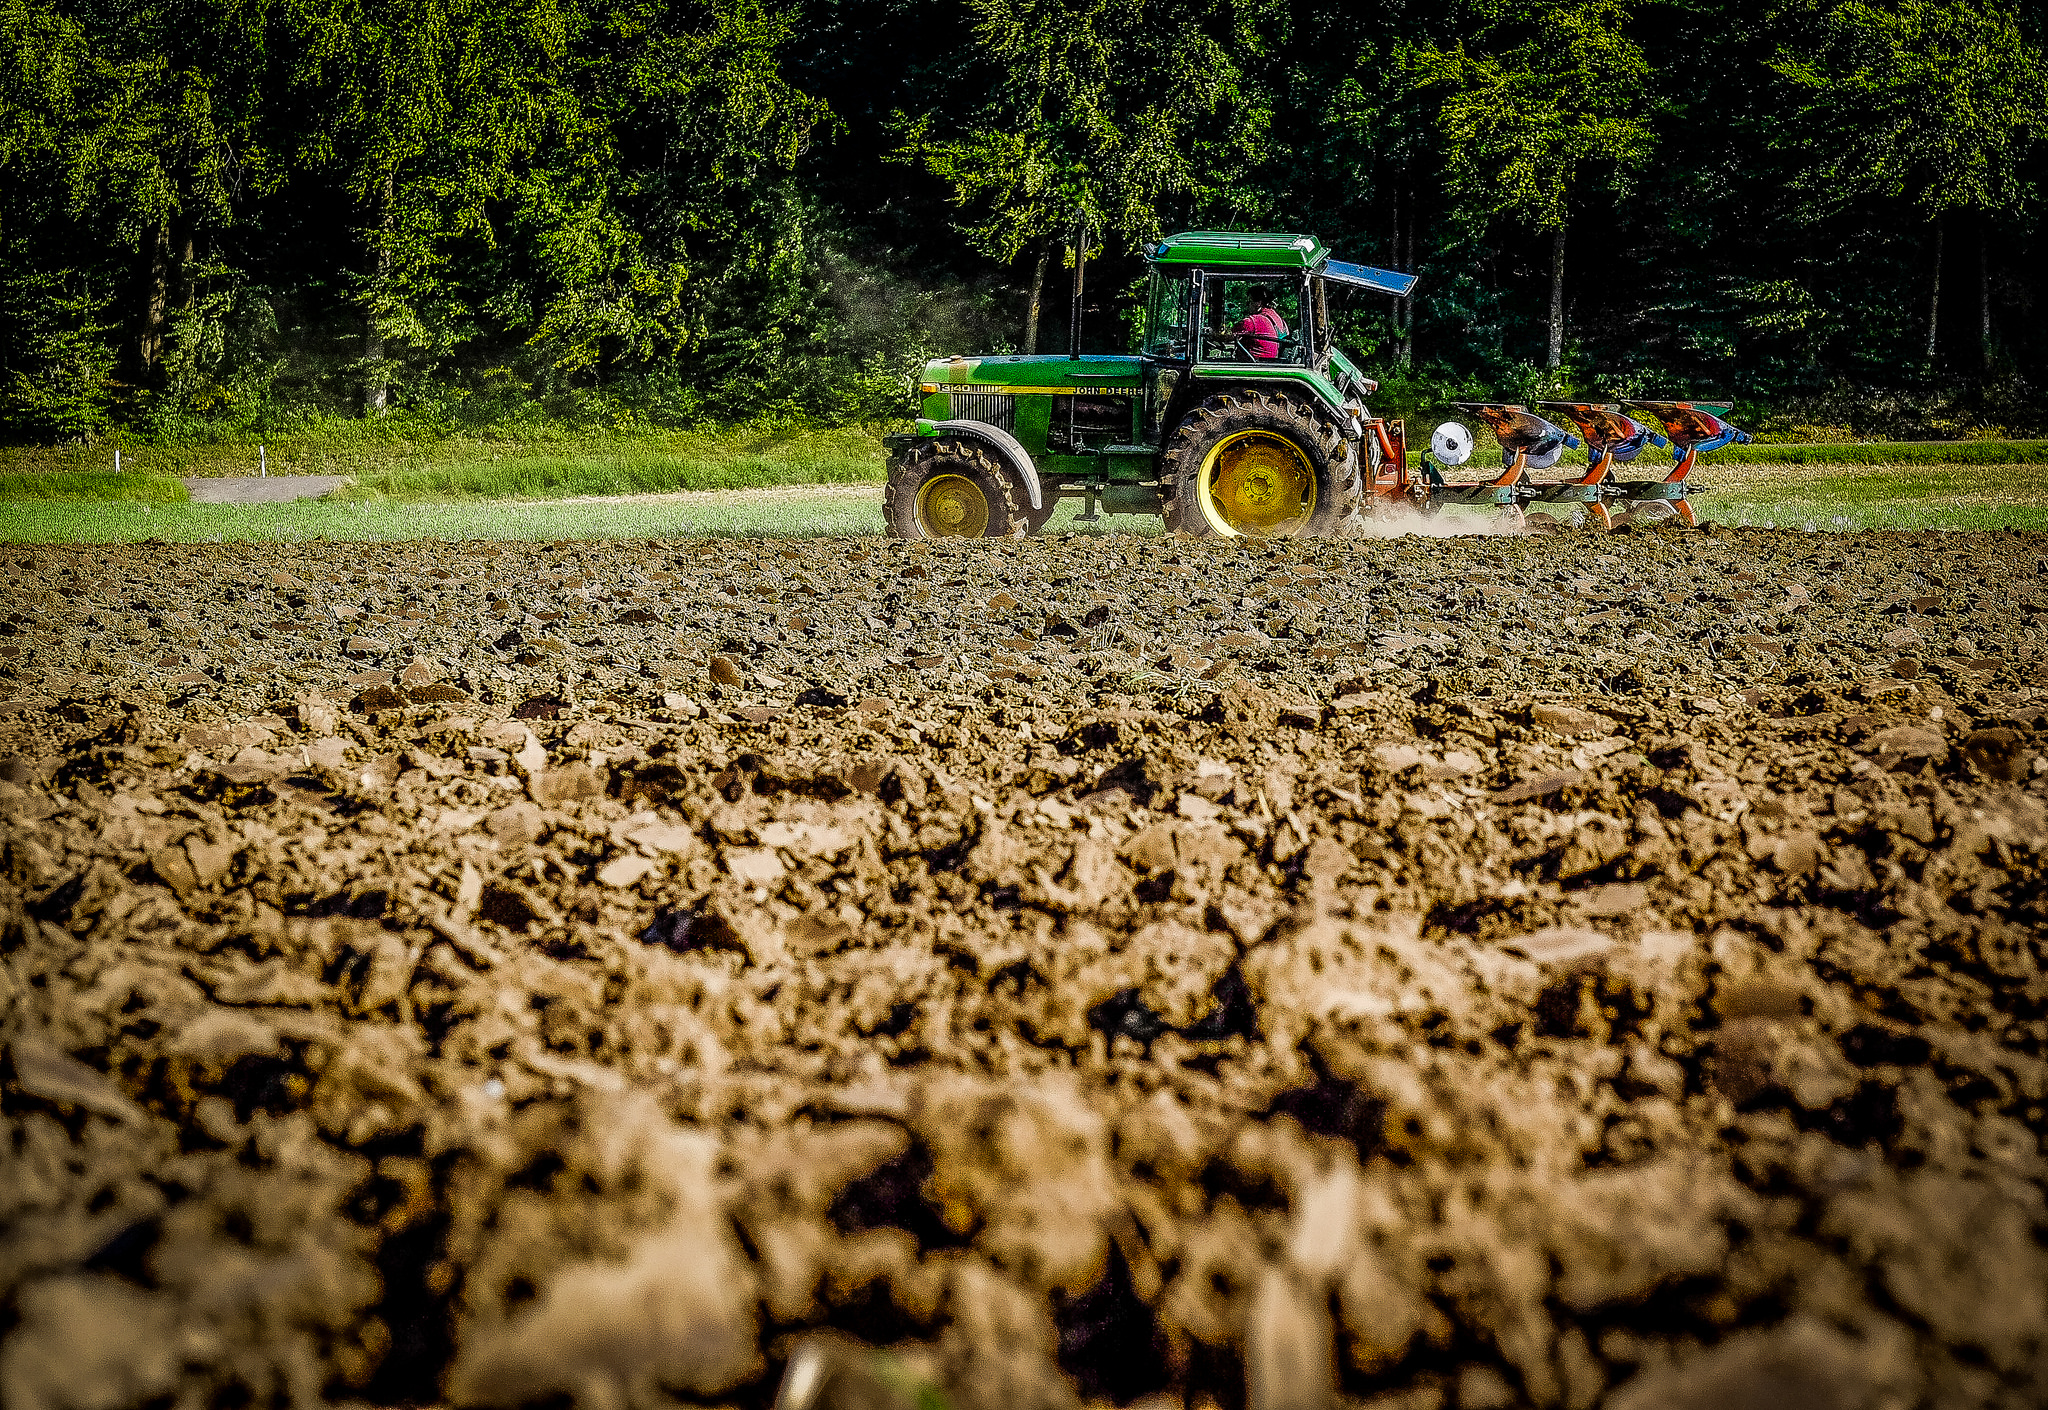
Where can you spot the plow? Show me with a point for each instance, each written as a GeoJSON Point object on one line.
{"type": "Point", "coordinates": [1611, 436]}
{"type": "Point", "coordinates": [1239, 417]}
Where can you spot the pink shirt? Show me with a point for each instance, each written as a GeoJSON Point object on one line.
{"type": "Point", "coordinates": [1268, 323]}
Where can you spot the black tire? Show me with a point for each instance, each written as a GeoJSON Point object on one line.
{"type": "Point", "coordinates": [1324, 456]}
{"type": "Point", "coordinates": [910, 505]}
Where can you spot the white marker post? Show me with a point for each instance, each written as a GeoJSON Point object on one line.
{"type": "Point", "coordinates": [117, 460]}
{"type": "Point", "coordinates": [263, 462]}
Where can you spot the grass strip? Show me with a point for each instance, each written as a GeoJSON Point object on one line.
{"type": "Point", "coordinates": [391, 520]}
{"type": "Point", "coordinates": [556, 462]}
{"type": "Point", "coordinates": [1781, 496]}
{"type": "Point", "coordinates": [93, 485]}
{"type": "Point", "coordinates": [1885, 453]}
{"type": "Point", "coordinates": [788, 513]}
{"type": "Point", "coordinates": [359, 450]}
{"type": "Point", "coordinates": [1879, 497]}
{"type": "Point", "coordinates": [565, 478]}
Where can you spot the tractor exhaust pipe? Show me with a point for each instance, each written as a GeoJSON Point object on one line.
{"type": "Point", "coordinates": [1080, 268]}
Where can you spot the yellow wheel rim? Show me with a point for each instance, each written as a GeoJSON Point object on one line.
{"type": "Point", "coordinates": [952, 507]}
{"type": "Point", "coordinates": [1258, 485]}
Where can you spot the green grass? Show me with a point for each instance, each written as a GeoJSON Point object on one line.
{"type": "Point", "coordinates": [1828, 498]}
{"type": "Point", "coordinates": [1911, 496]}
{"type": "Point", "coordinates": [743, 455]}
{"type": "Point", "coordinates": [788, 514]}
{"type": "Point", "coordinates": [551, 478]}
{"type": "Point", "coordinates": [1888, 453]}
{"type": "Point", "coordinates": [391, 520]}
{"type": "Point", "coordinates": [93, 485]}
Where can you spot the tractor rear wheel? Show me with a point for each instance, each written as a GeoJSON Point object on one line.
{"type": "Point", "coordinates": [1259, 464]}
{"type": "Point", "coordinates": [951, 489]}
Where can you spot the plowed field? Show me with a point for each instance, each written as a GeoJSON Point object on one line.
{"type": "Point", "coordinates": [1561, 972]}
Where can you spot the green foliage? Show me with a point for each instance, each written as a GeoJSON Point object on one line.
{"type": "Point", "coordinates": [62, 388]}
{"type": "Point", "coordinates": [222, 223]}
{"type": "Point", "coordinates": [1544, 96]}
{"type": "Point", "coordinates": [1107, 110]}
{"type": "Point", "coordinates": [1940, 101]}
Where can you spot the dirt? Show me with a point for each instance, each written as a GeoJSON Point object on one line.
{"type": "Point", "coordinates": [1564, 972]}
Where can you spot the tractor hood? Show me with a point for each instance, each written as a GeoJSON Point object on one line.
{"type": "Point", "coordinates": [1000, 374]}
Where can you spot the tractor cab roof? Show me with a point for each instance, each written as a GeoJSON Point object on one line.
{"type": "Point", "coordinates": [1247, 249]}
{"type": "Point", "coordinates": [1216, 248]}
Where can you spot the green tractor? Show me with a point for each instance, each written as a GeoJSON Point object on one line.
{"type": "Point", "coordinates": [1237, 417]}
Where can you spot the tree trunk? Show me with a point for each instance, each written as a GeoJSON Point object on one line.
{"type": "Point", "coordinates": [156, 295]}
{"type": "Point", "coordinates": [1984, 288]}
{"type": "Point", "coordinates": [1394, 262]}
{"type": "Point", "coordinates": [1404, 352]}
{"type": "Point", "coordinates": [1401, 310]}
{"type": "Point", "coordinates": [376, 391]}
{"type": "Point", "coordinates": [1037, 295]}
{"type": "Point", "coordinates": [1934, 296]}
{"type": "Point", "coordinates": [1555, 357]}
{"type": "Point", "coordinates": [188, 290]}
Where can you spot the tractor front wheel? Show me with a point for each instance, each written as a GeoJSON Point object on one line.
{"type": "Point", "coordinates": [1259, 464]}
{"type": "Point", "coordinates": [951, 489]}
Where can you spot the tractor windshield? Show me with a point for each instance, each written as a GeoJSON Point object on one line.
{"type": "Point", "coordinates": [1253, 318]}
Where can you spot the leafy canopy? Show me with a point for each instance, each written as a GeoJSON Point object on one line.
{"type": "Point", "coordinates": [1939, 100]}
{"type": "Point", "coordinates": [1113, 110]}
{"type": "Point", "coordinates": [1544, 97]}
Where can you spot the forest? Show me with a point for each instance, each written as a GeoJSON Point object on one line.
{"type": "Point", "coordinates": [225, 217]}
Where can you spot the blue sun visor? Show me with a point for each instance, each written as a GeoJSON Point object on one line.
{"type": "Point", "coordinates": [1364, 276]}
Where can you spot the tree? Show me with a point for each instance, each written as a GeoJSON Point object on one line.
{"type": "Point", "coordinates": [595, 135]}
{"type": "Point", "coordinates": [1935, 101]}
{"type": "Point", "coordinates": [1549, 99]}
{"type": "Point", "coordinates": [1107, 111]}
{"type": "Point", "coordinates": [143, 120]}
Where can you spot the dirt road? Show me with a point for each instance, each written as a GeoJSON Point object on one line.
{"type": "Point", "coordinates": [1563, 972]}
{"type": "Point", "coordinates": [260, 489]}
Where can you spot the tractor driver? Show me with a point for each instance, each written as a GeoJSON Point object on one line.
{"type": "Point", "coordinates": [1265, 326]}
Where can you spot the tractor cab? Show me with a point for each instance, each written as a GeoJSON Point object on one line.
{"type": "Point", "coordinates": [1203, 318]}
{"type": "Point", "coordinates": [1222, 306]}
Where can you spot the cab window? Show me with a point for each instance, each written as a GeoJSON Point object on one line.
{"type": "Point", "coordinates": [1169, 305]}
{"type": "Point", "coordinates": [1253, 319]}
